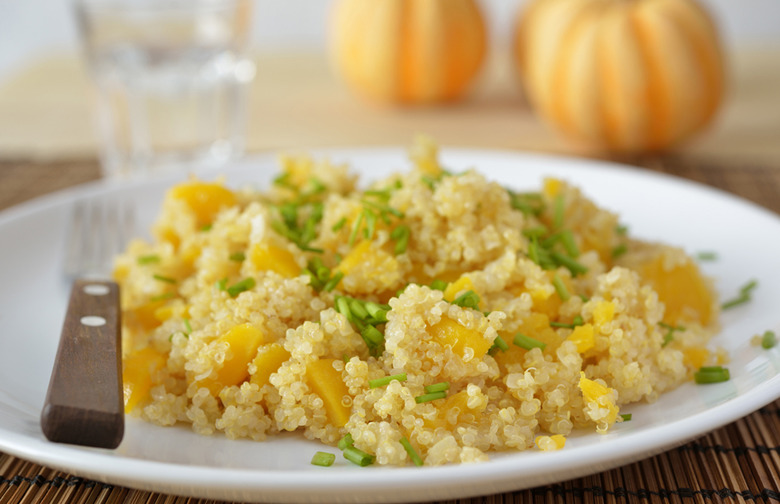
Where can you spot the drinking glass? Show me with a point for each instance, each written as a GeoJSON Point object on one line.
{"type": "Point", "coordinates": [172, 80]}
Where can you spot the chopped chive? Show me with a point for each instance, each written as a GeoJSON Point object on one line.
{"type": "Point", "coordinates": [621, 229]}
{"type": "Point", "coordinates": [535, 232]}
{"type": "Point", "coordinates": [626, 417]}
{"type": "Point", "coordinates": [381, 382]}
{"type": "Point", "coordinates": [221, 284]}
{"type": "Point", "coordinates": [528, 203]}
{"type": "Point", "coordinates": [357, 309]}
{"type": "Point", "coordinates": [711, 374]}
{"type": "Point", "coordinates": [164, 279]}
{"type": "Point", "coordinates": [355, 228]}
{"type": "Point", "coordinates": [560, 288]}
{"type": "Point", "coordinates": [340, 224]}
{"type": "Point", "coordinates": [401, 236]}
{"type": "Point", "coordinates": [333, 282]}
{"type": "Point", "coordinates": [377, 312]}
{"type": "Point", "coordinates": [619, 250]}
{"type": "Point", "coordinates": [323, 459]}
{"type": "Point", "coordinates": [237, 256]}
{"type": "Point", "coordinates": [187, 326]}
{"type": "Point", "coordinates": [239, 287]}
{"type": "Point", "coordinates": [372, 336]}
{"type": "Point", "coordinates": [162, 297]}
{"type": "Point", "coordinates": [415, 458]}
{"type": "Point", "coordinates": [707, 256]}
{"type": "Point", "coordinates": [206, 227]}
{"type": "Point", "coordinates": [384, 208]}
{"type": "Point", "coordinates": [431, 396]}
{"type": "Point", "coordinates": [576, 321]}
{"type": "Point", "coordinates": [370, 218]}
{"type": "Point", "coordinates": [358, 456]}
{"type": "Point", "coordinates": [533, 251]}
{"type": "Point", "coordinates": [669, 336]}
{"type": "Point", "coordinates": [345, 442]}
{"type": "Point", "coordinates": [148, 259]}
{"type": "Point", "coordinates": [744, 295]}
{"type": "Point", "coordinates": [468, 299]}
{"type": "Point", "coordinates": [500, 344]}
{"type": "Point", "coordinates": [558, 212]}
{"type": "Point", "coordinates": [437, 387]}
{"type": "Point", "coordinates": [528, 342]}
{"type": "Point", "coordinates": [439, 285]}
{"type": "Point", "coordinates": [569, 243]}
{"type": "Point", "coordinates": [768, 340]}
{"type": "Point", "coordinates": [342, 306]}
{"type": "Point", "coordinates": [567, 262]}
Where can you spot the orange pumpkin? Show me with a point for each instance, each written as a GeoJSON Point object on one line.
{"type": "Point", "coordinates": [408, 51]}
{"type": "Point", "coordinates": [627, 75]}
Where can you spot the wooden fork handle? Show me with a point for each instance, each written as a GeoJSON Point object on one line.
{"type": "Point", "coordinates": [84, 403]}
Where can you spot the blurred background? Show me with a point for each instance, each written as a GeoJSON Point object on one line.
{"type": "Point", "coordinates": [299, 101]}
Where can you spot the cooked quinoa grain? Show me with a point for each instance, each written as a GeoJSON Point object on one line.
{"type": "Point", "coordinates": [507, 318]}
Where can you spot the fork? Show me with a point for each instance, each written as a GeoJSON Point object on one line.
{"type": "Point", "coordinates": [84, 403]}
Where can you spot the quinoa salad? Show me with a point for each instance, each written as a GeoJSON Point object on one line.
{"type": "Point", "coordinates": [427, 318]}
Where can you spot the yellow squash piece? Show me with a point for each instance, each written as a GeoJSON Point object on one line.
{"type": "Point", "coordinates": [267, 362]}
{"type": "Point", "coordinates": [273, 258]}
{"type": "Point", "coordinates": [242, 341]}
{"type": "Point", "coordinates": [138, 370]}
{"type": "Point", "coordinates": [460, 285]}
{"type": "Point", "coordinates": [550, 443]}
{"type": "Point", "coordinates": [205, 199]}
{"type": "Point", "coordinates": [583, 337]}
{"type": "Point", "coordinates": [449, 332]}
{"type": "Point", "coordinates": [601, 396]}
{"type": "Point", "coordinates": [603, 313]}
{"type": "Point", "coordinates": [682, 289]}
{"type": "Point", "coordinates": [326, 382]}
{"type": "Point", "coordinates": [452, 409]}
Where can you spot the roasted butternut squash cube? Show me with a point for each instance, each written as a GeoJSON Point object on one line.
{"type": "Point", "coordinates": [205, 199]}
{"type": "Point", "coordinates": [452, 411]}
{"type": "Point", "coordinates": [583, 337]}
{"type": "Point", "coordinates": [138, 370]}
{"type": "Point", "coordinates": [326, 382]}
{"type": "Point", "coordinates": [682, 289]}
{"type": "Point", "coordinates": [604, 312]}
{"type": "Point", "coordinates": [268, 359]}
{"type": "Point", "coordinates": [460, 285]}
{"type": "Point", "coordinates": [270, 257]}
{"type": "Point", "coordinates": [550, 443]}
{"type": "Point", "coordinates": [536, 326]}
{"type": "Point", "coordinates": [242, 341]}
{"type": "Point", "coordinates": [599, 396]}
{"type": "Point", "coordinates": [449, 332]}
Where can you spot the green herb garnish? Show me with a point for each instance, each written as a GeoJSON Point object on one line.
{"type": "Point", "coordinates": [164, 279]}
{"type": "Point", "coordinates": [743, 297]}
{"type": "Point", "coordinates": [432, 396]}
{"type": "Point", "coordinates": [381, 382]}
{"type": "Point", "coordinates": [148, 259]}
{"type": "Point", "coordinates": [413, 455]}
{"type": "Point", "coordinates": [239, 287]}
{"type": "Point", "coordinates": [323, 459]}
{"type": "Point", "coordinates": [768, 340]}
{"type": "Point", "coordinates": [711, 374]}
{"type": "Point", "coordinates": [437, 387]}
{"type": "Point", "coordinates": [528, 342]}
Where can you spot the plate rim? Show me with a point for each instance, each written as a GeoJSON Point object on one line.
{"type": "Point", "coordinates": [692, 425]}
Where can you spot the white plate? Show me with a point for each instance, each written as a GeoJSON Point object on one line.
{"type": "Point", "coordinates": [175, 460]}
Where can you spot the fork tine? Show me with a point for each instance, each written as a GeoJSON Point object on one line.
{"type": "Point", "coordinates": [75, 240]}
{"type": "Point", "coordinates": [100, 229]}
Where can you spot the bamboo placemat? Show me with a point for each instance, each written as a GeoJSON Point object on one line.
{"type": "Point", "coordinates": [737, 463]}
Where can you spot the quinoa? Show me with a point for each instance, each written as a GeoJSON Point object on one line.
{"type": "Point", "coordinates": [251, 313]}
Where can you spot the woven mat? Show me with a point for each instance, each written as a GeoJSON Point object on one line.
{"type": "Point", "coordinates": [737, 463]}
